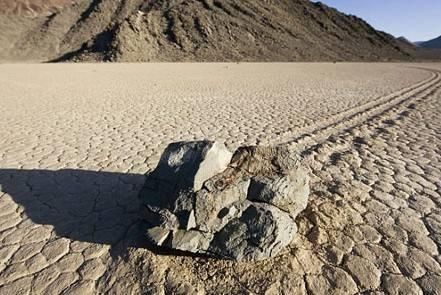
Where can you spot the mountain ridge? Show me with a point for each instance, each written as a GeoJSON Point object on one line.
{"type": "Point", "coordinates": [433, 43]}
{"type": "Point", "coordinates": [196, 30]}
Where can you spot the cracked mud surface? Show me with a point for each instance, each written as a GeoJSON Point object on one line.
{"type": "Point", "coordinates": [75, 141]}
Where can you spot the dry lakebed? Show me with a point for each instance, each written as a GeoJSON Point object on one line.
{"type": "Point", "coordinates": [76, 141]}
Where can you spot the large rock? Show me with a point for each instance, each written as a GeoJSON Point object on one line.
{"type": "Point", "coordinates": [203, 199]}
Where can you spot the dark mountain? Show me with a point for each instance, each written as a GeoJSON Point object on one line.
{"type": "Point", "coordinates": [434, 43]}
{"type": "Point", "coordinates": [407, 45]}
{"type": "Point", "coordinates": [405, 40]}
{"type": "Point", "coordinates": [192, 30]}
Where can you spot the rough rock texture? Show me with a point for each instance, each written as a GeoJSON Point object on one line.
{"type": "Point", "coordinates": [203, 199]}
{"type": "Point", "coordinates": [193, 30]}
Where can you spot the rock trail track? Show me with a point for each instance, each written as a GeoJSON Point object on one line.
{"type": "Point", "coordinates": [361, 113]}
{"type": "Point", "coordinates": [373, 225]}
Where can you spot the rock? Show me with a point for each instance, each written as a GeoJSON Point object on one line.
{"type": "Point", "coordinates": [203, 199]}
{"type": "Point", "coordinates": [261, 230]}
{"type": "Point", "coordinates": [191, 240]}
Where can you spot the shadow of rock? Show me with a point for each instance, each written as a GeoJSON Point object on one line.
{"type": "Point", "coordinates": [96, 207]}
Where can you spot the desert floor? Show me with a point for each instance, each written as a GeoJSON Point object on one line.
{"type": "Point", "coordinates": [77, 139]}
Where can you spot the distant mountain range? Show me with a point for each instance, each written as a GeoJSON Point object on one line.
{"type": "Point", "coordinates": [190, 30]}
{"type": "Point", "coordinates": [434, 43]}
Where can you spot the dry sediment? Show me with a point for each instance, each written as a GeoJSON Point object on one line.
{"type": "Point", "coordinates": [371, 139]}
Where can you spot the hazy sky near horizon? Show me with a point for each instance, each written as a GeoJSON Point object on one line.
{"type": "Point", "coordinates": [417, 20]}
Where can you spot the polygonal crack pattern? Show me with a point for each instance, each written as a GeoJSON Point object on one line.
{"type": "Point", "coordinates": [372, 224]}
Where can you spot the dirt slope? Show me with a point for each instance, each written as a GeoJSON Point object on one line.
{"type": "Point", "coordinates": [32, 8]}
{"type": "Point", "coordinates": [195, 30]}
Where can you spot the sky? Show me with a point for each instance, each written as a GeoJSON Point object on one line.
{"type": "Point", "coordinates": [417, 20]}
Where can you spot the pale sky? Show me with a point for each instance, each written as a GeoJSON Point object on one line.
{"type": "Point", "coordinates": [417, 20]}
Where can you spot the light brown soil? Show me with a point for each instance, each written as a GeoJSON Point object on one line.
{"type": "Point", "coordinates": [72, 161]}
{"type": "Point", "coordinates": [32, 8]}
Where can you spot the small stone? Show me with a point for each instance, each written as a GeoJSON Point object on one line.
{"type": "Point", "coordinates": [191, 241]}
{"type": "Point", "coordinates": [191, 221]}
{"type": "Point", "coordinates": [158, 235]}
